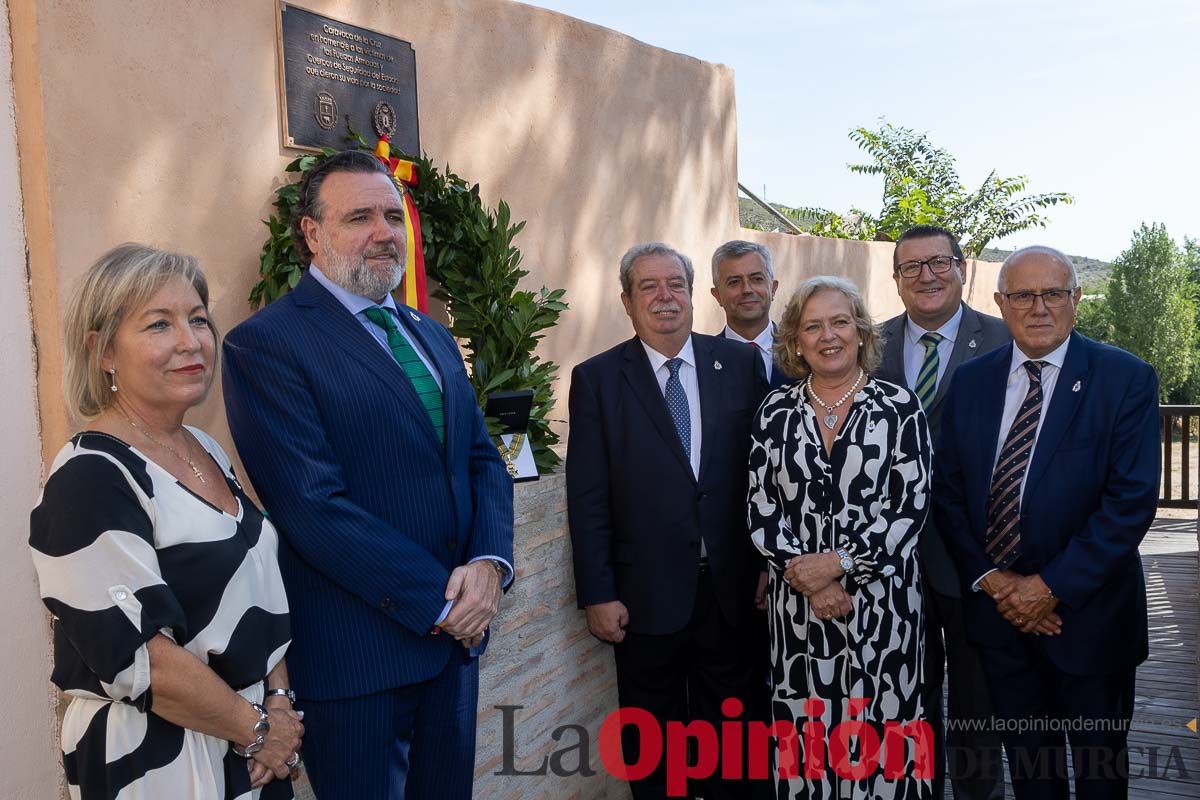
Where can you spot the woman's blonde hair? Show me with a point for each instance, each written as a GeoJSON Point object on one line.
{"type": "Point", "coordinates": [122, 280]}
{"type": "Point", "coordinates": [787, 343]}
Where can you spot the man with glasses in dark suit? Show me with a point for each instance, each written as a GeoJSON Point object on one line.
{"type": "Point", "coordinates": [922, 348]}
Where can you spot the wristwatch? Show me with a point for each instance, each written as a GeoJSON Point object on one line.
{"type": "Point", "coordinates": [288, 693]}
{"type": "Point", "coordinates": [261, 729]}
{"type": "Point", "coordinates": [844, 559]}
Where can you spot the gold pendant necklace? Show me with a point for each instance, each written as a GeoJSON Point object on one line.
{"type": "Point", "coordinates": [195, 470]}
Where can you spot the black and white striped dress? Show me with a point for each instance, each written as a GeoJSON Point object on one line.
{"type": "Point", "coordinates": [123, 551]}
{"type": "Point", "coordinates": [869, 494]}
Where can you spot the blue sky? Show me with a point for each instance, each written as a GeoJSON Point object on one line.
{"type": "Point", "coordinates": [1093, 97]}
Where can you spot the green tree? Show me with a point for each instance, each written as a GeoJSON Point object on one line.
{"type": "Point", "coordinates": [921, 186]}
{"type": "Point", "coordinates": [1151, 307]}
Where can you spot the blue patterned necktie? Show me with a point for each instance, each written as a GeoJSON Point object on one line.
{"type": "Point", "coordinates": [677, 404]}
{"type": "Point", "coordinates": [1003, 537]}
{"type": "Point", "coordinates": [926, 386]}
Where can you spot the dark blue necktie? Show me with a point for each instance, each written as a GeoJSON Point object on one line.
{"type": "Point", "coordinates": [677, 404]}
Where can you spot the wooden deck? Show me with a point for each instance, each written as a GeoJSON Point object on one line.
{"type": "Point", "coordinates": [1164, 753]}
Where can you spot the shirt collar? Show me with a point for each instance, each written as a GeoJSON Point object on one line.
{"type": "Point", "coordinates": [657, 359]}
{"type": "Point", "coordinates": [1055, 357]}
{"type": "Point", "coordinates": [765, 339]}
{"type": "Point", "coordinates": [948, 331]}
{"type": "Point", "coordinates": [354, 303]}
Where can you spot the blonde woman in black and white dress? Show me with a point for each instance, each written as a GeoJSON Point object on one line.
{"type": "Point", "coordinates": [839, 488]}
{"type": "Point", "coordinates": [170, 618]}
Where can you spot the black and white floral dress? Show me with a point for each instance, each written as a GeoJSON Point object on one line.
{"type": "Point", "coordinates": [870, 496]}
{"type": "Point", "coordinates": [123, 551]}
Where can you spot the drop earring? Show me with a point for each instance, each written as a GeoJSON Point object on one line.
{"type": "Point", "coordinates": [112, 375]}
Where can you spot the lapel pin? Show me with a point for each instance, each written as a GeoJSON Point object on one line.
{"type": "Point", "coordinates": [413, 314]}
{"type": "Point", "coordinates": [1077, 386]}
{"type": "Point", "coordinates": [716, 365]}
{"type": "Point", "coordinates": [971, 344]}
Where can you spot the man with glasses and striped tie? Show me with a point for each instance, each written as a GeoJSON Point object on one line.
{"type": "Point", "coordinates": [922, 348]}
{"type": "Point", "coordinates": [1045, 481]}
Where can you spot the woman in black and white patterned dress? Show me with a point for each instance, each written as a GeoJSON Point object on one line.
{"type": "Point", "coordinates": [839, 488]}
{"type": "Point", "coordinates": [160, 572]}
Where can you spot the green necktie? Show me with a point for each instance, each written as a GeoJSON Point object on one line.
{"type": "Point", "coordinates": [927, 377]}
{"type": "Point", "coordinates": [422, 379]}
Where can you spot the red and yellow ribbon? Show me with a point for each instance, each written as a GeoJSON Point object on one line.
{"type": "Point", "coordinates": [405, 174]}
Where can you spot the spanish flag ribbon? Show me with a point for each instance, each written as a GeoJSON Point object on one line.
{"type": "Point", "coordinates": [405, 174]}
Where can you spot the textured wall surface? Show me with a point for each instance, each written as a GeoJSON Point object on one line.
{"type": "Point", "coordinates": [28, 753]}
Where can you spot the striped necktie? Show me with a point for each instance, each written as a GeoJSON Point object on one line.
{"type": "Point", "coordinates": [422, 379]}
{"type": "Point", "coordinates": [1003, 538]}
{"type": "Point", "coordinates": [927, 378]}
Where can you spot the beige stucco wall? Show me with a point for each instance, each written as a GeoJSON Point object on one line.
{"type": "Point", "coordinates": [162, 126]}
{"type": "Point", "coordinates": [28, 767]}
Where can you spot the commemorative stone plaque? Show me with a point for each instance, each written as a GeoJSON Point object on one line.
{"type": "Point", "coordinates": [333, 72]}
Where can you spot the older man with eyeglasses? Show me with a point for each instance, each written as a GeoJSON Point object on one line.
{"type": "Point", "coordinates": [1045, 482]}
{"type": "Point", "coordinates": [922, 348]}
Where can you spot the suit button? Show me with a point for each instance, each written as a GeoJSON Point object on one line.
{"type": "Point", "coordinates": [452, 544]}
{"type": "Point", "coordinates": [387, 604]}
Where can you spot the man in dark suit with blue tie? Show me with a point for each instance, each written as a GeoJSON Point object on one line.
{"type": "Point", "coordinates": [744, 285]}
{"type": "Point", "coordinates": [357, 425]}
{"type": "Point", "coordinates": [657, 471]}
{"type": "Point", "coordinates": [1046, 481]}
{"type": "Point", "coordinates": [922, 348]}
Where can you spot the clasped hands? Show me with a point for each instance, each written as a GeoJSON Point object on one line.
{"type": "Point", "coordinates": [816, 577]}
{"type": "Point", "coordinates": [475, 590]}
{"type": "Point", "coordinates": [281, 743]}
{"type": "Point", "coordinates": [1024, 600]}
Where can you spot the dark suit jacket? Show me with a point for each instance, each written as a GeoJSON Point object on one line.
{"type": "Point", "coordinates": [977, 334]}
{"type": "Point", "coordinates": [778, 377]}
{"type": "Point", "coordinates": [373, 512]}
{"type": "Point", "coordinates": [1090, 496]}
{"type": "Point", "coordinates": [636, 511]}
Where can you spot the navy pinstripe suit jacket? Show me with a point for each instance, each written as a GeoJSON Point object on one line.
{"type": "Point", "coordinates": [373, 512]}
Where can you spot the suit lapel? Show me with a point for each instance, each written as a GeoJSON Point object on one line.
{"type": "Point", "coordinates": [966, 345]}
{"type": "Point", "coordinates": [709, 389]}
{"type": "Point", "coordinates": [991, 412]}
{"type": "Point", "coordinates": [1063, 405]}
{"type": "Point", "coordinates": [644, 385]}
{"type": "Point", "coordinates": [336, 324]}
{"type": "Point", "coordinates": [416, 328]}
{"type": "Point", "coordinates": [893, 351]}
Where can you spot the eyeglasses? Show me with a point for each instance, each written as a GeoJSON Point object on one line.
{"type": "Point", "coordinates": [1053, 298]}
{"type": "Point", "coordinates": [938, 265]}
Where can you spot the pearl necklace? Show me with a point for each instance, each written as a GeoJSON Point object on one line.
{"type": "Point", "coordinates": [195, 470]}
{"type": "Point", "coordinates": [830, 419]}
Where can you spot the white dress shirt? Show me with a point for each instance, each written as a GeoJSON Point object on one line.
{"type": "Point", "coordinates": [691, 388]}
{"type": "Point", "coordinates": [765, 341]}
{"type": "Point", "coordinates": [1014, 396]}
{"type": "Point", "coordinates": [914, 351]}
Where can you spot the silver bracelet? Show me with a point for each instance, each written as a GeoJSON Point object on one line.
{"type": "Point", "coordinates": [288, 693]}
{"type": "Point", "coordinates": [261, 729]}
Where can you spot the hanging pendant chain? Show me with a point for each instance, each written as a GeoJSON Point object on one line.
{"type": "Point", "coordinates": [195, 470]}
{"type": "Point", "coordinates": [830, 418]}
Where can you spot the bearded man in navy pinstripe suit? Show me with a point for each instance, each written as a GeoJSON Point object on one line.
{"type": "Point", "coordinates": [356, 423]}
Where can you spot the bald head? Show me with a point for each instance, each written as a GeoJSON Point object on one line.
{"type": "Point", "coordinates": [1043, 252]}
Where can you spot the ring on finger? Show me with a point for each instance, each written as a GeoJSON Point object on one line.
{"type": "Point", "coordinates": [294, 761]}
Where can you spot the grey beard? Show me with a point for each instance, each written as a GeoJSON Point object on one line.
{"type": "Point", "coordinates": [363, 281]}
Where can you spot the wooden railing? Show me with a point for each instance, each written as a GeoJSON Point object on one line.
{"type": "Point", "coordinates": [1179, 428]}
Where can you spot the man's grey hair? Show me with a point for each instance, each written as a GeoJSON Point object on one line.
{"type": "Point", "coordinates": [652, 249]}
{"type": "Point", "coordinates": [1037, 249]}
{"type": "Point", "coordinates": [736, 249]}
